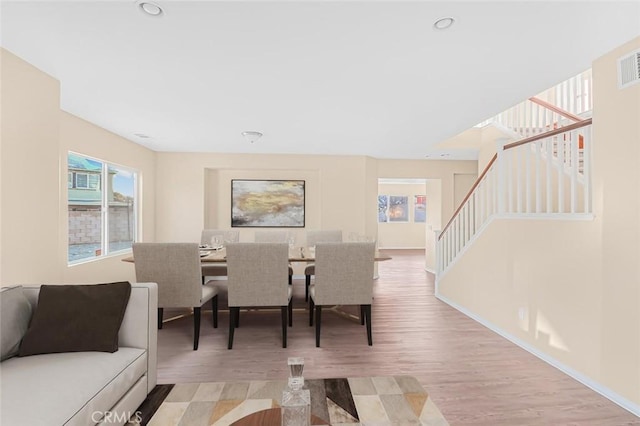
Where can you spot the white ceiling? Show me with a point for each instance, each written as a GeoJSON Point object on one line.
{"type": "Point", "coordinates": [316, 77]}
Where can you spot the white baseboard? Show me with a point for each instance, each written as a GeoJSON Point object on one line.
{"type": "Point", "coordinates": [585, 380]}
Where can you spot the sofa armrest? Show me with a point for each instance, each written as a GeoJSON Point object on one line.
{"type": "Point", "coordinates": [139, 327]}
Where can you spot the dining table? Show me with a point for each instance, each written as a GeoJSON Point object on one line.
{"type": "Point", "coordinates": [296, 255]}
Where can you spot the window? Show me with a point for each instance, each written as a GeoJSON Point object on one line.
{"type": "Point", "coordinates": [102, 201]}
{"type": "Point", "coordinates": [86, 181]}
{"type": "Point", "coordinates": [393, 208]}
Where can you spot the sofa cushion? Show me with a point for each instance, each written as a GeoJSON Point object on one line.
{"type": "Point", "coordinates": [15, 314]}
{"type": "Point", "coordinates": [76, 318]}
{"type": "Point", "coordinates": [67, 388]}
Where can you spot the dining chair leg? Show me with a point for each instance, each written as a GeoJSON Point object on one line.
{"type": "Point", "coordinates": [232, 326]}
{"type": "Point", "coordinates": [311, 307]}
{"type": "Point", "coordinates": [361, 314]}
{"type": "Point", "coordinates": [214, 309]}
{"type": "Point", "coordinates": [197, 313]}
{"type": "Point", "coordinates": [290, 313]}
{"type": "Point", "coordinates": [284, 310]}
{"type": "Point", "coordinates": [307, 283]}
{"type": "Point", "coordinates": [367, 310]}
{"type": "Point", "coordinates": [160, 311]}
{"type": "Point", "coordinates": [318, 320]}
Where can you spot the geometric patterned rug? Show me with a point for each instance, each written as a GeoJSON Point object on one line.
{"type": "Point", "coordinates": [399, 400]}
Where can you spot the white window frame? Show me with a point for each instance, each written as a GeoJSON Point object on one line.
{"type": "Point", "coordinates": [103, 184]}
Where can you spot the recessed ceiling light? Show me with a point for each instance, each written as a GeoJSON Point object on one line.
{"type": "Point", "coordinates": [150, 8]}
{"type": "Point", "coordinates": [443, 23]}
{"type": "Point", "coordinates": [251, 135]}
{"type": "Point", "coordinates": [444, 155]}
{"type": "Point", "coordinates": [141, 135]}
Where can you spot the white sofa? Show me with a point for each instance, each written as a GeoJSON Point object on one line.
{"type": "Point", "coordinates": [85, 388]}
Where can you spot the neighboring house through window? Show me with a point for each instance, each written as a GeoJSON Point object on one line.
{"type": "Point", "coordinates": [102, 200]}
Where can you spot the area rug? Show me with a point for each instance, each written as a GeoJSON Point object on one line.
{"type": "Point", "coordinates": [398, 400]}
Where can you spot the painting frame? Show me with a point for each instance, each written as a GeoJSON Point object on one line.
{"type": "Point", "coordinates": [268, 203]}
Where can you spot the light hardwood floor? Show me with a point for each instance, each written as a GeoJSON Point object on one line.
{"type": "Point", "coordinates": [473, 375]}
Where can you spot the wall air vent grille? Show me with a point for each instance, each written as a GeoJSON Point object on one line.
{"type": "Point", "coordinates": [629, 69]}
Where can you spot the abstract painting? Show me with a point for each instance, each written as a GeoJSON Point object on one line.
{"type": "Point", "coordinates": [267, 203]}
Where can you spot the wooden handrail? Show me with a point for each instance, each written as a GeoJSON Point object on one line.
{"type": "Point", "coordinates": [550, 133]}
{"type": "Point", "coordinates": [582, 123]}
{"type": "Point", "coordinates": [555, 109]}
{"type": "Point", "coordinates": [475, 185]}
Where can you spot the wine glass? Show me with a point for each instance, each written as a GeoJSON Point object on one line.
{"type": "Point", "coordinates": [216, 242]}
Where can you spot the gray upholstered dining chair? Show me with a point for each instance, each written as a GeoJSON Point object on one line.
{"type": "Point", "coordinates": [227, 236]}
{"type": "Point", "coordinates": [274, 237]}
{"type": "Point", "coordinates": [344, 276]}
{"type": "Point", "coordinates": [257, 277]}
{"type": "Point", "coordinates": [175, 267]}
{"type": "Point", "coordinates": [313, 238]}
{"type": "Point", "coordinates": [262, 236]}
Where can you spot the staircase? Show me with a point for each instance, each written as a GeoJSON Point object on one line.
{"type": "Point", "coordinates": [545, 173]}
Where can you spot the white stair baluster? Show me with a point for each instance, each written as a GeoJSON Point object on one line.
{"type": "Point", "coordinates": [549, 166]}
{"type": "Point", "coordinates": [527, 176]}
{"type": "Point", "coordinates": [560, 170]}
{"type": "Point", "coordinates": [574, 170]}
{"type": "Point", "coordinates": [538, 148]}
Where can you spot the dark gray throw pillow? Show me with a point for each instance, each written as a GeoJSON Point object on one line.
{"type": "Point", "coordinates": [76, 318]}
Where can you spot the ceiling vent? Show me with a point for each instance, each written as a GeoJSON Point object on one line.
{"type": "Point", "coordinates": [629, 69]}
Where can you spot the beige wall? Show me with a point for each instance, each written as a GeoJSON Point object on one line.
{"type": "Point", "coordinates": [36, 136]}
{"type": "Point", "coordinates": [485, 154]}
{"type": "Point", "coordinates": [616, 166]}
{"type": "Point", "coordinates": [462, 183]}
{"type": "Point", "coordinates": [576, 283]}
{"type": "Point", "coordinates": [335, 191]}
{"type": "Point", "coordinates": [30, 175]}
